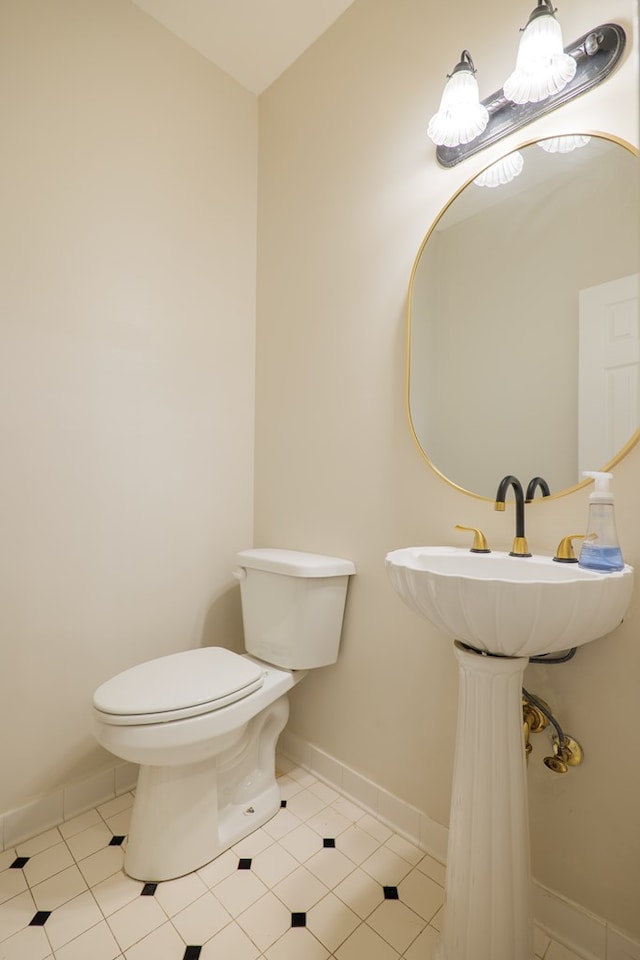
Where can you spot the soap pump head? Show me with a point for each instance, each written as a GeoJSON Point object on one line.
{"type": "Point", "coordinates": [602, 493]}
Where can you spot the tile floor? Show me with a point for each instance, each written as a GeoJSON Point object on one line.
{"type": "Point", "coordinates": [323, 879]}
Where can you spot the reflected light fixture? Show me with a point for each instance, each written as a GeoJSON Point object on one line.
{"type": "Point", "coordinates": [502, 171]}
{"type": "Point", "coordinates": [461, 117]}
{"type": "Point", "coordinates": [542, 66]}
{"type": "Point", "coordinates": [564, 144]}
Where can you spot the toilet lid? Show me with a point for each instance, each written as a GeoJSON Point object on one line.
{"type": "Point", "coordinates": [179, 685]}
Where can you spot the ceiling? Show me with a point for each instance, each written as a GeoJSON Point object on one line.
{"type": "Point", "coordinates": [254, 41]}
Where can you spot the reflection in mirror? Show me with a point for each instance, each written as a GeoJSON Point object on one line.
{"type": "Point", "coordinates": [523, 322]}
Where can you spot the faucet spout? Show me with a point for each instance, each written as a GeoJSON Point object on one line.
{"type": "Point", "coordinates": [520, 547]}
{"type": "Point", "coordinates": [534, 483]}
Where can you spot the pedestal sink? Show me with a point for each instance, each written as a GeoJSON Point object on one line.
{"type": "Point", "coordinates": [499, 610]}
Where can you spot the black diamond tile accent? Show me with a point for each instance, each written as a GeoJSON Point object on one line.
{"type": "Point", "coordinates": [192, 953]}
{"type": "Point", "coordinates": [19, 863]}
{"type": "Point", "coordinates": [40, 918]}
{"type": "Point", "coordinates": [283, 803]}
{"type": "Point", "coordinates": [149, 889]}
{"type": "Point", "coordinates": [391, 893]}
{"type": "Point", "coordinates": [328, 842]}
{"type": "Point", "coordinates": [244, 863]}
{"type": "Point", "coordinates": [298, 919]}
{"type": "Point", "coordinates": [116, 841]}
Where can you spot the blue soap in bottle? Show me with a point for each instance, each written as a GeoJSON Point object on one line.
{"type": "Point", "coordinates": [600, 548]}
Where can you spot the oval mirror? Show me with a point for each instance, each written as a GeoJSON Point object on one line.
{"type": "Point", "coordinates": [523, 322]}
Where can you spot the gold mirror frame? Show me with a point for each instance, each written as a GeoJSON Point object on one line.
{"type": "Point", "coordinates": [633, 440]}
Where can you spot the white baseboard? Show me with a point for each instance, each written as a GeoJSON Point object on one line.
{"type": "Point", "coordinates": [589, 936]}
{"type": "Point", "coordinates": [64, 804]}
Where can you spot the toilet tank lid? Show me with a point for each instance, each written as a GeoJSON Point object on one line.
{"type": "Point", "coordinates": [295, 563]}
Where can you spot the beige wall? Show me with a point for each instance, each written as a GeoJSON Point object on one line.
{"type": "Point", "coordinates": [348, 187]}
{"type": "Point", "coordinates": [128, 175]}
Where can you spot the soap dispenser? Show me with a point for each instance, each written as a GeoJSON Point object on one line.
{"type": "Point", "coordinates": [600, 547]}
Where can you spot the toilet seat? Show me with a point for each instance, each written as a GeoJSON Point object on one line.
{"type": "Point", "coordinates": [177, 686]}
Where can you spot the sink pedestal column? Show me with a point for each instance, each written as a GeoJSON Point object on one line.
{"type": "Point", "coordinates": [488, 894]}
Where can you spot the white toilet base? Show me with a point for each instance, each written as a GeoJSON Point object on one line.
{"type": "Point", "coordinates": [184, 816]}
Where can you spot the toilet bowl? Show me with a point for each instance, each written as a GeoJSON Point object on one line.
{"type": "Point", "coordinates": [203, 724]}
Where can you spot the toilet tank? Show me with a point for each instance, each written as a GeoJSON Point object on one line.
{"type": "Point", "coordinates": [292, 606]}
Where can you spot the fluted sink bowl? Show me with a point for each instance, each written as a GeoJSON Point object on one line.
{"type": "Point", "coordinates": [510, 606]}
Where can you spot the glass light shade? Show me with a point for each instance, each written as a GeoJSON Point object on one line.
{"type": "Point", "coordinates": [563, 144]}
{"type": "Point", "coordinates": [461, 116]}
{"type": "Point", "coordinates": [502, 171]}
{"type": "Point", "coordinates": [542, 66]}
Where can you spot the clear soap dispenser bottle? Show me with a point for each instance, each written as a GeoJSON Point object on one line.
{"type": "Point", "coordinates": [600, 547]}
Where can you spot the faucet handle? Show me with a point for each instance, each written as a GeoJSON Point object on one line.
{"type": "Point", "coordinates": [479, 540]}
{"type": "Point", "coordinates": [565, 552]}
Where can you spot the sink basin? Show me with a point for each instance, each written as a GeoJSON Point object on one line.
{"type": "Point", "coordinates": [509, 606]}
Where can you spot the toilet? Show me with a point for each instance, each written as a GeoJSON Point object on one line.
{"type": "Point", "coordinates": [203, 724]}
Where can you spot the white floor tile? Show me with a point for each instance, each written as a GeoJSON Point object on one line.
{"type": "Point", "coordinates": [117, 805]}
{"type": "Point", "coordinates": [305, 805]}
{"type": "Point", "coordinates": [422, 894]}
{"type": "Point", "coordinates": [423, 948]}
{"type": "Point", "coordinates": [378, 830]}
{"type": "Point", "coordinates": [366, 943]}
{"type": "Point", "coordinates": [98, 943]}
{"type": "Point", "coordinates": [329, 823]}
{"type": "Point", "coordinates": [201, 920]}
{"type": "Point", "coordinates": [16, 914]}
{"type": "Point", "coordinates": [232, 942]}
{"type": "Point", "coordinates": [115, 892]}
{"type": "Point", "coordinates": [254, 844]}
{"type": "Point", "coordinates": [265, 921]}
{"type": "Point", "coordinates": [12, 882]}
{"type": "Point", "coordinates": [300, 890]}
{"type": "Point", "coordinates": [174, 895]}
{"type": "Point", "coordinates": [29, 848]}
{"type": "Point", "coordinates": [332, 921]}
{"type": "Point", "coordinates": [330, 866]}
{"type": "Point", "coordinates": [71, 919]}
{"type": "Point", "coordinates": [134, 921]}
{"type": "Point", "coordinates": [408, 851]}
{"type": "Point", "coordinates": [386, 867]}
{"type": "Point", "coordinates": [357, 844]}
{"type": "Point", "coordinates": [28, 944]}
{"type": "Point", "coordinates": [47, 863]}
{"type": "Point", "coordinates": [432, 868]}
{"type": "Point", "coordinates": [239, 891]}
{"type": "Point", "coordinates": [273, 865]}
{"type": "Point", "coordinates": [98, 866]}
{"type": "Point", "coordinates": [82, 822]}
{"type": "Point", "coordinates": [396, 923]}
{"type": "Point", "coordinates": [324, 791]}
{"type": "Point", "coordinates": [283, 822]}
{"type": "Point", "coordinates": [161, 944]}
{"type": "Point", "coordinates": [296, 944]}
{"type": "Point", "coordinates": [57, 890]}
{"type": "Point", "coordinates": [360, 892]}
{"type": "Point", "coordinates": [89, 841]}
{"type": "Point", "coordinates": [302, 842]}
{"type": "Point", "coordinates": [119, 823]}
{"type": "Point", "coordinates": [348, 809]}
{"type": "Point", "coordinates": [220, 868]}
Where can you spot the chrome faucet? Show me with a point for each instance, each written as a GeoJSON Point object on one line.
{"type": "Point", "coordinates": [520, 547]}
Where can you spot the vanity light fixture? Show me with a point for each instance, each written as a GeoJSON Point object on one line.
{"type": "Point", "coordinates": [583, 64]}
{"type": "Point", "coordinates": [542, 66]}
{"type": "Point", "coordinates": [461, 116]}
